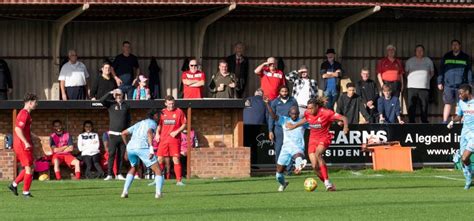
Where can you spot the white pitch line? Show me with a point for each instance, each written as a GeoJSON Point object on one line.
{"type": "Point", "coordinates": [449, 178]}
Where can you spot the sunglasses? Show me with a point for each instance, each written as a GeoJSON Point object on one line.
{"type": "Point", "coordinates": [193, 65]}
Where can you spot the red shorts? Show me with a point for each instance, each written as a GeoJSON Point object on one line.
{"type": "Point", "coordinates": [66, 158]}
{"type": "Point", "coordinates": [24, 156]}
{"type": "Point", "coordinates": [168, 150]}
{"type": "Point", "coordinates": [315, 143]}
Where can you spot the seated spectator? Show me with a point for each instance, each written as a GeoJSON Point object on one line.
{"type": "Point", "coordinates": [89, 145]}
{"type": "Point", "coordinates": [223, 84]}
{"type": "Point", "coordinates": [72, 78]}
{"type": "Point", "coordinates": [193, 81]}
{"type": "Point", "coordinates": [255, 112]}
{"type": "Point", "coordinates": [351, 105]}
{"type": "Point", "coordinates": [141, 92]}
{"type": "Point", "coordinates": [271, 79]}
{"type": "Point", "coordinates": [62, 146]}
{"type": "Point", "coordinates": [389, 107]}
{"type": "Point", "coordinates": [304, 88]}
{"type": "Point", "coordinates": [369, 93]}
{"type": "Point", "coordinates": [104, 83]}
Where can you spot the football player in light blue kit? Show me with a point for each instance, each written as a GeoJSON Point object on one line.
{"type": "Point", "coordinates": [293, 144]}
{"type": "Point", "coordinates": [466, 110]}
{"type": "Point", "coordinates": [140, 148]}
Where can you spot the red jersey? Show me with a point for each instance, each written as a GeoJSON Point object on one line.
{"type": "Point", "coordinates": [169, 122]}
{"type": "Point", "coordinates": [319, 124]}
{"type": "Point", "coordinates": [23, 121]}
{"type": "Point", "coordinates": [193, 92]}
{"type": "Point", "coordinates": [390, 71]}
{"type": "Point", "coordinates": [270, 82]}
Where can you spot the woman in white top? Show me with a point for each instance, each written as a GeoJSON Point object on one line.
{"type": "Point", "coordinates": [88, 143]}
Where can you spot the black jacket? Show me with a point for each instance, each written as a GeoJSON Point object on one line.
{"type": "Point", "coordinates": [242, 76]}
{"type": "Point", "coordinates": [155, 72]}
{"type": "Point", "coordinates": [5, 76]}
{"type": "Point", "coordinates": [119, 115]}
{"type": "Point", "coordinates": [351, 107]}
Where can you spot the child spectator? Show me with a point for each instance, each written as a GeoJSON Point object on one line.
{"type": "Point", "coordinates": [141, 92]}
{"type": "Point", "coordinates": [62, 146]}
{"type": "Point", "coordinates": [88, 143]}
{"type": "Point", "coordinates": [351, 105]}
{"type": "Point", "coordinates": [389, 106]}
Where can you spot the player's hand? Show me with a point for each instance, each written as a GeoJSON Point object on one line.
{"type": "Point", "coordinates": [450, 125]}
{"type": "Point", "coordinates": [271, 136]}
{"type": "Point", "coordinates": [173, 134]}
{"type": "Point", "coordinates": [157, 138]}
{"type": "Point", "coordinates": [340, 123]}
{"type": "Point", "coordinates": [346, 130]}
{"type": "Point", "coordinates": [27, 145]}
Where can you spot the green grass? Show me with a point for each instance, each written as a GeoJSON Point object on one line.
{"type": "Point", "coordinates": [361, 195]}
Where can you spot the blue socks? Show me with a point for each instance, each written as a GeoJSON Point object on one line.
{"type": "Point", "coordinates": [159, 183]}
{"type": "Point", "coordinates": [280, 178]}
{"type": "Point", "coordinates": [128, 182]}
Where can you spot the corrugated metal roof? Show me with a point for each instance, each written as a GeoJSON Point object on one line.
{"type": "Point", "coordinates": [388, 3]}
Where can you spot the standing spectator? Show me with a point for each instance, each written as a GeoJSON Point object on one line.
{"type": "Point", "coordinates": [88, 143]}
{"type": "Point", "coordinates": [104, 83]}
{"type": "Point", "coordinates": [389, 107]}
{"type": "Point", "coordinates": [239, 65]}
{"type": "Point", "coordinates": [193, 81]}
{"type": "Point", "coordinates": [119, 120]}
{"type": "Point", "coordinates": [223, 84]}
{"type": "Point", "coordinates": [281, 107]}
{"type": "Point", "coordinates": [255, 112]}
{"type": "Point", "coordinates": [369, 93]}
{"type": "Point", "coordinates": [271, 79]}
{"type": "Point", "coordinates": [6, 84]}
{"type": "Point", "coordinates": [72, 78]}
{"type": "Point", "coordinates": [351, 105]}
{"type": "Point", "coordinates": [331, 71]}
{"type": "Point", "coordinates": [23, 145]}
{"type": "Point", "coordinates": [125, 68]}
{"type": "Point", "coordinates": [304, 88]}
{"type": "Point", "coordinates": [420, 70]}
{"type": "Point", "coordinates": [455, 70]}
{"type": "Point", "coordinates": [141, 92]}
{"type": "Point", "coordinates": [62, 146]}
{"type": "Point", "coordinates": [390, 71]}
{"type": "Point", "coordinates": [172, 123]}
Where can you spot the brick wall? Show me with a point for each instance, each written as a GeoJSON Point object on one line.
{"type": "Point", "coordinates": [7, 158]}
{"type": "Point", "coordinates": [220, 162]}
{"type": "Point", "coordinates": [215, 127]}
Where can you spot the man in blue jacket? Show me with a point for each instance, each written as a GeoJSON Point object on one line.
{"type": "Point", "coordinates": [455, 70]}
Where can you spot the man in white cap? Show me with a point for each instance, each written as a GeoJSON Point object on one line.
{"type": "Point", "coordinates": [119, 120]}
{"type": "Point", "coordinates": [390, 71]}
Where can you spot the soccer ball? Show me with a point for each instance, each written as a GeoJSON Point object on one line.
{"type": "Point", "coordinates": [310, 184]}
{"type": "Point", "coordinates": [43, 177]}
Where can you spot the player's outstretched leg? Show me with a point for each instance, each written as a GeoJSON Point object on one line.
{"type": "Point", "coordinates": [158, 180]}
{"type": "Point", "coordinates": [315, 165]}
{"type": "Point", "coordinates": [323, 168]}
{"type": "Point", "coordinates": [128, 182]}
{"type": "Point", "coordinates": [281, 178]}
{"type": "Point", "coordinates": [466, 168]}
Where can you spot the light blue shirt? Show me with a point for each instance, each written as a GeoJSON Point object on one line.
{"type": "Point", "coordinates": [466, 109]}
{"type": "Point", "coordinates": [139, 132]}
{"type": "Point", "coordinates": [292, 139]}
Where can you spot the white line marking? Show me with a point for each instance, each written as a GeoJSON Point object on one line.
{"type": "Point", "coordinates": [449, 178]}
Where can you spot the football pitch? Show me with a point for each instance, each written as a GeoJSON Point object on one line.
{"type": "Point", "coordinates": [426, 194]}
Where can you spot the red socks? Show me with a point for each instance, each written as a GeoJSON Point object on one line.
{"type": "Point", "coordinates": [324, 171]}
{"type": "Point", "coordinates": [78, 175]}
{"type": "Point", "coordinates": [28, 180]}
{"type": "Point", "coordinates": [20, 177]}
{"type": "Point", "coordinates": [58, 175]}
{"type": "Point", "coordinates": [177, 171]}
{"type": "Point", "coordinates": [168, 175]}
